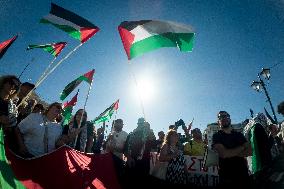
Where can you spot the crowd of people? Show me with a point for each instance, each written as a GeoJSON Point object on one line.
{"type": "Point", "coordinates": [32, 130]}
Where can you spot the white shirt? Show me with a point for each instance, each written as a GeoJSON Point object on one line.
{"type": "Point", "coordinates": [33, 128]}
{"type": "Point", "coordinates": [119, 139]}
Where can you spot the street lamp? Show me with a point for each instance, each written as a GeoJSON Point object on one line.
{"type": "Point", "coordinates": [259, 85]}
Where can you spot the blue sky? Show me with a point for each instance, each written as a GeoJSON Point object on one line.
{"type": "Point", "coordinates": [234, 40]}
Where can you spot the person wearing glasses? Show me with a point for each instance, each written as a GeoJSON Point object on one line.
{"type": "Point", "coordinates": [232, 148]}
{"type": "Point", "coordinates": [9, 86]}
{"type": "Point", "coordinates": [39, 133]}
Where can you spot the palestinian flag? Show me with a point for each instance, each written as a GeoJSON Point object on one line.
{"type": "Point", "coordinates": [139, 37]}
{"type": "Point", "coordinates": [6, 44]}
{"type": "Point", "coordinates": [54, 48]}
{"type": "Point", "coordinates": [88, 77]}
{"type": "Point", "coordinates": [8, 179]}
{"type": "Point", "coordinates": [64, 167]}
{"type": "Point", "coordinates": [76, 26]}
{"type": "Point", "coordinates": [106, 115]}
{"type": "Point", "coordinates": [67, 110]}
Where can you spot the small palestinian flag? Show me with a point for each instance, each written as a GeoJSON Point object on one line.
{"type": "Point", "coordinates": [106, 115]}
{"type": "Point", "coordinates": [67, 110]}
{"type": "Point", "coordinates": [54, 48]}
{"type": "Point", "coordinates": [6, 44]}
{"type": "Point", "coordinates": [76, 26]}
{"type": "Point", "coordinates": [139, 37]}
{"type": "Point", "coordinates": [88, 77]}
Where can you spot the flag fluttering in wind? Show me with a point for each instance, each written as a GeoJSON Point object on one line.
{"type": "Point", "coordinates": [54, 48]}
{"type": "Point", "coordinates": [139, 37]}
{"type": "Point", "coordinates": [8, 179]}
{"type": "Point", "coordinates": [106, 115]}
{"type": "Point", "coordinates": [68, 108]}
{"type": "Point", "coordinates": [6, 44]}
{"type": "Point", "coordinates": [88, 77]}
{"type": "Point", "coordinates": [76, 26]}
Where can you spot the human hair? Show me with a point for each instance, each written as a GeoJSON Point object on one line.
{"type": "Point", "coordinates": [75, 124]}
{"type": "Point", "coordinates": [170, 133]}
{"type": "Point", "coordinates": [118, 121]}
{"type": "Point", "coordinates": [57, 104]}
{"type": "Point", "coordinates": [222, 112]}
{"type": "Point", "coordinates": [280, 108]}
{"type": "Point", "coordinates": [9, 78]}
{"type": "Point", "coordinates": [39, 106]}
{"type": "Point", "coordinates": [28, 85]}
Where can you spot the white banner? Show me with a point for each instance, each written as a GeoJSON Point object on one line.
{"type": "Point", "coordinates": [197, 175]}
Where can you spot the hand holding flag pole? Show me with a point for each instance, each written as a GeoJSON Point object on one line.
{"type": "Point", "coordinates": [87, 97]}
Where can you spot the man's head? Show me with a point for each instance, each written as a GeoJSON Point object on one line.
{"type": "Point", "coordinates": [25, 89]}
{"type": "Point", "coordinates": [172, 127]}
{"type": "Point", "coordinates": [38, 108]}
{"type": "Point", "coordinates": [118, 125]}
{"type": "Point", "coordinates": [224, 119]}
{"type": "Point", "coordinates": [196, 133]}
{"type": "Point", "coordinates": [280, 108]}
{"type": "Point", "coordinates": [141, 121]}
{"type": "Point", "coordinates": [161, 135]}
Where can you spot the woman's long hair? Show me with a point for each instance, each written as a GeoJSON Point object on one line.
{"type": "Point", "coordinates": [75, 124]}
{"type": "Point", "coordinates": [6, 78]}
{"type": "Point", "coordinates": [170, 133]}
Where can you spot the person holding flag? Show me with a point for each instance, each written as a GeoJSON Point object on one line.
{"type": "Point", "coordinates": [83, 141]}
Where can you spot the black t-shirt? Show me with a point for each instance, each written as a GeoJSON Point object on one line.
{"type": "Point", "coordinates": [234, 166]}
{"type": "Point", "coordinates": [4, 107]}
{"type": "Point", "coordinates": [264, 145]}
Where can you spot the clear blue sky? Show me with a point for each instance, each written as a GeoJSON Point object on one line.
{"type": "Point", "coordinates": [234, 40]}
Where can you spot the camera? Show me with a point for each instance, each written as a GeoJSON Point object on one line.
{"type": "Point", "coordinates": [179, 123]}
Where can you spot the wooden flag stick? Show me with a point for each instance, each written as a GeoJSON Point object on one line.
{"type": "Point", "coordinates": [48, 73]}
{"type": "Point", "coordinates": [137, 87]}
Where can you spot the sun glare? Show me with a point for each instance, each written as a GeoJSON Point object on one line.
{"type": "Point", "coordinates": [145, 88]}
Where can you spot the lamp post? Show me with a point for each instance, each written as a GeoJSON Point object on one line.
{"type": "Point", "coordinates": [258, 85]}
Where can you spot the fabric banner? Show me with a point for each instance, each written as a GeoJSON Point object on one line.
{"type": "Point", "coordinates": [65, 168]}
{"type": "Point", "coordinates": [197, 175]}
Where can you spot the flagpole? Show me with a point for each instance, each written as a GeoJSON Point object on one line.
{"type": "Point", "coordinates": [81, 119]}
{"type": "Point", "coordinates": [25, 68]}
{"type": "Point", "coordinates": [47, 74]}
{"type": "Point", "coordinates": [46, 69]}
{"type": "Point", "coordinates": [136, 84]}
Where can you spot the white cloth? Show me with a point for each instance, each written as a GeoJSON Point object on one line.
{"type": "Point", "coordinates": [32, 129]}
{"type": "Point", "coordinates": [118, 142]}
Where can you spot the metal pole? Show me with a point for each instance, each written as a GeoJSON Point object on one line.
{"type": "Point", "coordinates": [268, 98]}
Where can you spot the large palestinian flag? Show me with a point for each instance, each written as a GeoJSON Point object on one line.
{"type": "Point", "coordinates": [107, 114]}
{"type": "Point", "coordinates": [139, 37]}
{"type": "Point", "coordinates": [6, 44]}
{"type": "Point", "coordinates": [76, 26]}
{"type": "Point", "coordinates": [88, 77]}
{"type": "Point", "coordinates": [54, 48]}
{"type": "Point", "coordinates": [62, 168]}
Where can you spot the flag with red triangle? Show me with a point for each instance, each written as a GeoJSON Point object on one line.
{"type": "Point", "coordinates": [76, 26]}
{"type": "Point", "coordinates": [88, 77]}
{"type": "Point", "coordinates": [68, 108]}
{"type": "Point", "coordinates": [53, 48]}
{"type": "Point", "coordinates": [6, 44]}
